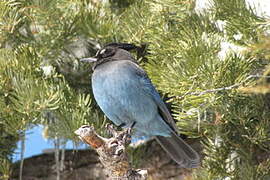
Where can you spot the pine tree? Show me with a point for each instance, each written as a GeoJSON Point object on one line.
{"type": "Point", "coordinates": [218, 97]}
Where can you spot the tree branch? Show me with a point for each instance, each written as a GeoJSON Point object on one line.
{"type": "Point", "coordinates": [112, 152]}
{"type": "Point", "coordinates": [200, 93]}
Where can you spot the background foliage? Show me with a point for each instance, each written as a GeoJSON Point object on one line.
{"type": "Point", "coordinates": [211, 65]}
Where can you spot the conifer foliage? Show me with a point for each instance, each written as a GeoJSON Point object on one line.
{"type": "Point", "coordinates": [211, 64]}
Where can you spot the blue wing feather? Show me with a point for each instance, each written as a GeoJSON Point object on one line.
{"type": "Point", "coordinates": [150, 89]}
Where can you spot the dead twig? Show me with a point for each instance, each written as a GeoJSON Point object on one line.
{"type": "Point", "coordinates": [200, 93]}
{"type": "Point", "coordinates": [112, 152]}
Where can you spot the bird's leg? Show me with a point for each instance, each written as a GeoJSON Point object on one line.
{"type": "Point", "coordinates": [119, 137]}
{"type": "Point", "coordinates": [114, 133]}
{"type": "Point", "coordinates": [122, 137]}
{"type": "Point", "coordinates": [111, 130]}
{"type": "Point", "coordinates": [126, 135]}
{"type": "Point", "coordinates": [133, 124]}
{"type": "Point", "coordinates": [128, 130]}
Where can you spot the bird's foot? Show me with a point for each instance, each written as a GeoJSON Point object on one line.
{"type": "Point", "coordinates": [120, 136]}
{"type": "Point", "coordinates": [111, 130]}
{"type": "Point", "coordinates": [126, 134]}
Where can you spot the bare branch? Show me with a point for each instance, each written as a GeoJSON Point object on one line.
{"type": "Point", "coordinates": [112, 153]}
{"type": "Point", "coordinates": [200, 93]}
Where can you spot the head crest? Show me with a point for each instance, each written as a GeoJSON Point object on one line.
{"type": "Point", "coordinates": [125, 46]}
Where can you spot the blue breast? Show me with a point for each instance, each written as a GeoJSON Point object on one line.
{"type": "Point", "coordinates": [120, 94]}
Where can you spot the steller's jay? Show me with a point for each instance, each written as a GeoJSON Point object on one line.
{"type": "Point", "coordinates": [128, 98]}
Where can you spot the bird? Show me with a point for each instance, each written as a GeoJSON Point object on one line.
{"type": "Point", "coordinates": [126, 95]}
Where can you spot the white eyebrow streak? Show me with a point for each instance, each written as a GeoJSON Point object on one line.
{"type": "Point", "coordinates": [102, 51]}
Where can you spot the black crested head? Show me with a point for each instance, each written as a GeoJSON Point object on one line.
{"type": "Point", "coordinates": [106, 52]}
{"type": "Point", "coordinates": [141, 50]}
{"type": "Point", "coordinates": [109, 50]}
{"type": "Point", "coordinates": [125, 46]}
{"type": "Point", "coordinates": [112, 52]}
